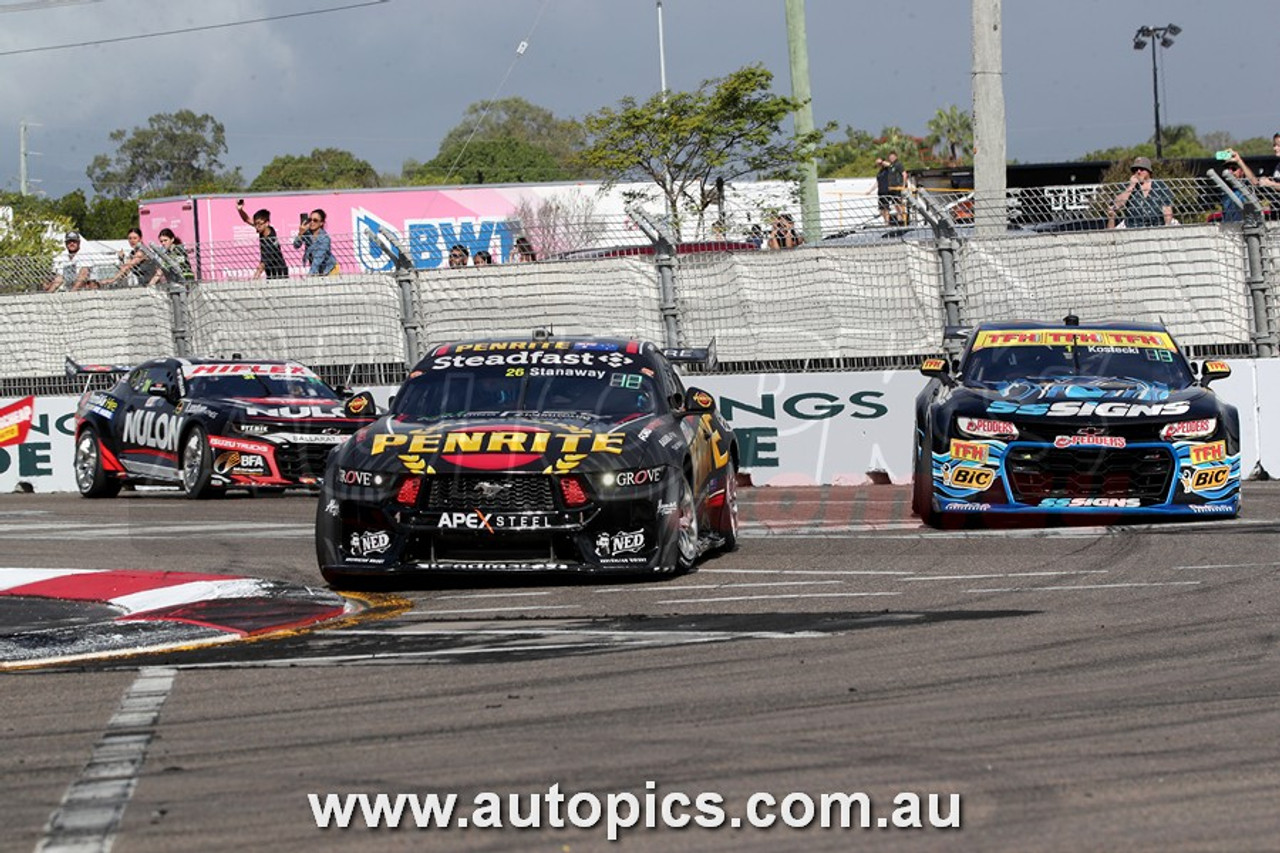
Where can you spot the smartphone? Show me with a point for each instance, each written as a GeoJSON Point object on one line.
{"type": "Point", "coordinates": [302, 217]}
{"type": "Point", "coordinates": [1222, 155]}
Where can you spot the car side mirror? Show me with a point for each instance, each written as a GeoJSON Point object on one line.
{"type": "Point", "coordinates": [938, 368]}
{"type": "Point", "coordinates": [360, 406]}
{"type": "Point", "coordinates": [699, 402]}
{"type": "Point", "coordinates": [1214, 370]}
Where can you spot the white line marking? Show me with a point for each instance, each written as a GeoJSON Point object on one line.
{"type": "Point", "coordinates": [797, 572]}
{"type": "Point", "coordinates": [433, 612]}
{"type": "Point", "coordinates": [1082, 586]}
{"type": "Point", "coordinates": [1007, 575]}
{"type": "Point", "coordinates": [491, 595]}
{"type": "Point", "coordinates": [93, 805]}
{"type": "Point", "coordinates": [1231, 566]}
{"type": "Point", "coordinates": [775, 597]}
{"type": "Point", "coordinates": [726, 585]}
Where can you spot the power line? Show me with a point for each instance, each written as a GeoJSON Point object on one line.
{"type": "Point", "coordinates": [193, 29]}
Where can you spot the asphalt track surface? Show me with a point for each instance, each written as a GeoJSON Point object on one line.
{"type": "Point", "coordinates": [1084, 688]}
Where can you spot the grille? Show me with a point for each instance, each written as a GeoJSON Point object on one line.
{"type": "Point", "coordinates": [302, 460]}
{"type": "Point", "coordinates": [1051, 472]}
{"type": "Point", "coordinates": [506, 494]}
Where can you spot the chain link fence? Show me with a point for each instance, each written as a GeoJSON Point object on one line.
{"type": "Point", "coordinates": [866, 296]}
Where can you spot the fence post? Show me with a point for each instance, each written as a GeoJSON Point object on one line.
{"type": "Point", "coordinates": [665, 260]}
{"type": "Point", "coordinates": [944, 231]}
{"type": "Point", "coordinates": [178, 305]}
{"type": "Point", "coordinates": [408, 317]}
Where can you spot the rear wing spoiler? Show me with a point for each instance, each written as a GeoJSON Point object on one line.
{"type": "Point", "coordinates": [706, 356]}
{"type": "Point", "coordinates": [75, 368]}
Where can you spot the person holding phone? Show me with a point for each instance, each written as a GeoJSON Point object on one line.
{"type": "Point", "coordinates": [318, 254]}
{"type": "Point", "coordinates": [271, 257]}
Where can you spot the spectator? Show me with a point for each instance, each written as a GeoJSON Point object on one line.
{"type": "Point", "coordinates": [271, 257]}
{"type": "Point", "coordinates": [524, 250]}
{"type": "Point", "coordinates": [1146, 202]}
{"type": "Point", "coordinates": [458, 255]}
{"type": "Point", "coordinates": [318, 255]}
{"type": "Point", "coordinates": [883, 188]}
{"type": "Point", "coordinates": [784, 234]}
{"type": "Point", "coordinates": [756, 235]}
{"type": "Point", "coordinates": [177, 266]}
{"type": "Point", "coordinates": [1233, 202]}
{"type": "Point", "coordinates": [482, 259]}
{"type": "Point", "coordinates": [136, 265]}
{"type": "Point", "coordinates": [71, 270]}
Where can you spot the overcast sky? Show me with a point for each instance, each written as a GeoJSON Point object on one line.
{"type": "Point", "coordinates": [386, 80]}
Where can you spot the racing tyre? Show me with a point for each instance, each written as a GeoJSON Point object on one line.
{"type": "Point", "coordinates": [91, 479]}
{"type": "Point", "coordinates": [922, 484]}
{"type": "Point", "coordinates": [686, 528]}
{"type": "Point", "coordinates": [729, 514]}
{"type": "Point", "coordinates": [197, 466]}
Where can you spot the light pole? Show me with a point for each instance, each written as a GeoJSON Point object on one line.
{"type": "Point", "coordinates": [1163, 36]}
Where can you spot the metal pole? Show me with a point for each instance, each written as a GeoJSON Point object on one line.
{"type": "Point", "coordinates": [990, 180]}
{"type": "Point", "coordinates": [798, 50]}
{"type": "Point", "coordinates": [408, 318]}
{"type": "Point", "coordinates": [22, 158]}
{"type": "Point", "coordinates": [662, 57]}
{"type": "Point", "coordinates": [1155, 92]}
{"type": "Point", "coordinates": [178, 302]}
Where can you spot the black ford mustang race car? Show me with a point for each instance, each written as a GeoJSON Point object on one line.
{"type": "Point", "coordinates": [210, 424]}
{"type": "Point", "coordinates": [540, 454]}
{"type": "Point", "coordinates": [1107, 418]}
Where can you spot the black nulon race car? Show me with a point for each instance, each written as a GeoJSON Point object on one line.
{"type": "Point", "coordinates": [541, 454]}
{"type": "Point", "coordinates": [1064, 419]}
{"type": "Point", "coordinates": [211, 424]}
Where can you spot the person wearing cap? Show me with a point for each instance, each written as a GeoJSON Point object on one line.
{"type": "Point", "coordinates": [70, 271]}
{"type": "Point", "coordinates": [1146, 202]}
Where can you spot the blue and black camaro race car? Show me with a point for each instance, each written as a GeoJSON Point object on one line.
{"type": "Point", "coordinates": [1068, 419]}
{"type": "Point", "coordinates": [538, 454]}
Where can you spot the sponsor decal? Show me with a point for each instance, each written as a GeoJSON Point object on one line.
{"type": "Point", "coordinates": [193, 370]}
{"type": "Point", "coordinates": [310, 437]}
{"type": "Point", "coordinates": [719, 458]}
{"type": "Point", "coordinates": [934, 364]}
{"type": "Point", "coordinates": [640, 476]}
{"type": "Point", "coordinates": [492, 488]}
{"type": "Point", "coordinates": [1088, 441]}
{"type": "Point", "coordinates": [665, 508]}
{"type": "Point", "coordinates": [1203, 454]}
{"type": "Point", "coordinates": [1212, 508]}
{"type": "Point", "coordinates": [568, 371]}
{"type": "Point", "coordinates": [962, 506]}
{"type": "Point", "coordinates": [357, 405]}
{"type": "Point", "coordinates": [629, 542]}
{"type": "Point", "coordinates": [987, 428]}
{"type": "Point", "coordinates": [968, 477]}
{"type": "Point", "coordinates": [218, 442]}
{"type": "Point", "coordinates": [352, 477]}
{"type": "Point", "coordinates": [235, 462]}
{"type": "Point", "coordinates": [1107, 503]}
{"type": "Point", "coordinates": [294, 412]}
{"type": "Point", "coordinates": [492, 522]}
{"type": "Point", "coordinates": [528, 358]}
{"type": "Point", "coordinates": [1075, 408]}
{"type": "Point", "coordinates": [369, 542]}
{"type": "Point", "coordinates": [703, 399]}
{"type": "Point", "coordinates": [493, 448]}
{"type": "Point", "coordinates": [1072, 337]}
{"type": "Point", "coordinates": [15, 421]}
{"type": "Point", "coordinates": [331, 508]}
{"type": "Point", "coordinates": [1210, 479]}
{"type": "Point", "coordinates": [149, 428]}
{"type": "Point", "coordinates": [970, 451]}
{"type": "Point", "coordinates": [1217, 367]}
{"type": "Point", "coordinates": [1112, 350]}
{"type": "Point", "coordinates": [1189, 429]}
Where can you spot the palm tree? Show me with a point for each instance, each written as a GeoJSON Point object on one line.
{"type": "Point", "coordinates": [953, 128]}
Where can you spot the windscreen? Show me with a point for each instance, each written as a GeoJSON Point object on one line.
{"type": "Point", "coordinates": [1065, 355]}
{"type": "Point", "coordinates": [259, 385]}
{"type": "Point", "coordinates": [603, 391]}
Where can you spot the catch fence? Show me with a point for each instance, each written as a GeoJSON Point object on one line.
{"type": "Point", "coordinates": [864, 297]}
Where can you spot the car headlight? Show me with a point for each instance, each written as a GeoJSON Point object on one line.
{"type": "Point", "coordinates": [1202, 428]}
{"type": "Point", "coordinates": [986, 428]}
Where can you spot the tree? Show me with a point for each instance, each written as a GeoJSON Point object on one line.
{"type": "Point", "coordinates": [729, 128]}
{"type": "Point", "coordinates": [852, 157]}
{"type": "Point", "coordinates": [520, 121]}
{"type": "Point", "coordinates": [323, 168]}
{"type": "Point", "coordinates": [952, 128]}
{"type": "Point", "coordinates": [488, 161]}
{"type": "Point", "coordinates": [559, 224]}
{"type": "Point", "coordinates": [172, 155]}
